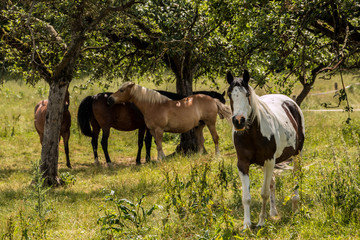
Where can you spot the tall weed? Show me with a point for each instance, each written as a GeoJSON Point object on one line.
{"type": "Point", "coordinates": [340, 191]}
{"type": "Point", "coordinates": [125, 219]}
{"type": "Point", "coordinates": [31, 223]}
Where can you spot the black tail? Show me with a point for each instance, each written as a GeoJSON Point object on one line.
{"type": "Point", "coordinates": [84, 114]}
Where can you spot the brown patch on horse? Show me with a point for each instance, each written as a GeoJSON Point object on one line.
{"type": "Point", "coordinates": [291, 111]}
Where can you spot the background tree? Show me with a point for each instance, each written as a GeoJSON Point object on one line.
{"type": "Point", "coordinates": [184, 37]}
{"type": "Point", "coordinates": [45, 39]}
{"type": "Point", "coordinates": [283, 39]}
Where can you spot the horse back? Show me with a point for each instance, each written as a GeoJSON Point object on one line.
{"type": "Point", "coordinates": [123, 117]}
{"type": "Point", "coordinates": [290, 122]}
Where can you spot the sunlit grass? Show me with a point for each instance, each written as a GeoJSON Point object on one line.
{"type": "Point", "coordinates": [76, 208]}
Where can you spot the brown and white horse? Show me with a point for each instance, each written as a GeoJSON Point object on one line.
{"type": "Point", "coordinates": [266, 130]}
{"type": "Point", "coordinates": [161, 114]}
{"type": "Point", "coordinates": [39, 122]}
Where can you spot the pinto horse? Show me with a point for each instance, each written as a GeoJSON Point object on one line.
{"type": "Point", "coordinates": [39, 122]}
{"type": "Point", "coordinates": [161, 114]}
{"type": "Point", "coordinates": [94, 110]}
{"type": "Point", "coordinates": [266, 130]}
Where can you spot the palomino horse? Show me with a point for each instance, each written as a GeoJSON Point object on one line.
{"type": "Point", "coordinates": [39, 122]}
{"type": "Point", "coordinates": [266, 130]}
{"type": "Point", "coordinates": [94, 114]}
{"type": "Point", "coordinates": [161, 114]}
{"type": "Point", "coordinates": [94, 110]}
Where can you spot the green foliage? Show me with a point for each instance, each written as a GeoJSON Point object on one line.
{"type": "Point", "coordinates": [31, 225]}
{"type": "Point", "coordinates": [340, 192]}
{"type": "Point", "coordinates": [9, 126]}
{"type": "Point", "coordinates": [199, 198]}
{"type": "Point", "coordinates": [127, 220]}
{"type": "Point", "coordinates": [67, 178]}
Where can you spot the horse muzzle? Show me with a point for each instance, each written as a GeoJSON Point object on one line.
{"type": "Point", "coordinates": [239, 122]}
{"type": "Point", "coordinates": [110, 101]}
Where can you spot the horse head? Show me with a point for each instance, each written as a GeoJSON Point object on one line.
{"type": "Point", "coordinates": [239, 94]}
{"type": "Point", "coordinates": [121, 95]}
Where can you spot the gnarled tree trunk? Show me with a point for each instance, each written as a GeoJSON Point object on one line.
{"type": "Point", "coordinates": [50, 146]}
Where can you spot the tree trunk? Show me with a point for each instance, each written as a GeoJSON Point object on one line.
{"type": "Point", "coordinates": [188, 140]}
{"type": "Point", "coordinates": [50, 145]}
{"type": "Point", "coordinates": [184, 68]}
{"type": "Point", "coordinates": [307, 84]}
{"type": "Point", "coordinates": [304, 92]}
{"type": "Point", "coordinates": [184, 79]}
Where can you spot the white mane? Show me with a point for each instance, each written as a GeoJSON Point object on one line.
{"type": "Point", "coordinates": [259, 108]}
{"type": "Point", "coordinates": [147, 95]}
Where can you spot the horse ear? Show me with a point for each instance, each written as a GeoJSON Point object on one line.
{"type": "Point", "coordinates": [246, 77]}
{"type": "Point", "coordinates": [229, 77]}
{"type": "Point", "coordinates": [131, 84]}
{"type": "Point", "coordinates": [223, 94]}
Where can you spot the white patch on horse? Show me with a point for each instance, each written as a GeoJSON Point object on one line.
{"type": "Point", "coordinates": [265, 190]}
{"type": "Point", "coordinates": [240, 102]}
{"type": "Point", "coordinates": [282, 128]}
{"type": "Point", "coordinates": [246, 198]}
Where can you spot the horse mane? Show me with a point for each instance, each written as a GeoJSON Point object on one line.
{"type": "Point", "coordinates": [147, 95]}
{"type": "Point", "coordinates": [259, 108]}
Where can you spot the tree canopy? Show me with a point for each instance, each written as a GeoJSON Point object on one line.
{"type": "Point", "coordinates": [274, 40]}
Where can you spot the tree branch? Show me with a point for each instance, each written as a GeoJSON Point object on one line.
{"type": "Point", "coordinates": [16, 43]}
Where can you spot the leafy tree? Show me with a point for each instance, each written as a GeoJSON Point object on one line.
{"type": "Point", "coordinates": [45, 39]}
{"type": "Point", "coordinates": [182, 36]}
{"type": "Point", "coordinates": [281, 39]}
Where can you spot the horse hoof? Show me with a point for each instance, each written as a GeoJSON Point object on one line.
{"type": "Point", "coordinates": [275, 218]}
{"type": "Point", "coordinates": [69, 166]}
{"type": "Point", "coordinates": [110, 165]}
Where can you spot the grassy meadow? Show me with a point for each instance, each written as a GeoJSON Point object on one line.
{"type": "Point", "coordinates": [183, 197]}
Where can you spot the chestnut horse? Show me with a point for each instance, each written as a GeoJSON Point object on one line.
{"type": "Point", "coordinates": [266, 130]}
{"type": "Point", "coordinates": [94, 114]}
{"type": "Point", "coordinates": [161, 114]}
{"type": "Point", "coordinates": [39, 122]}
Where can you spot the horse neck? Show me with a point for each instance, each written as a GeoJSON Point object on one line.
{"type": "Point", "coordinates": [144, 98]}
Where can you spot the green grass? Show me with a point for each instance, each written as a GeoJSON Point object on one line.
{"type": "Point", "coordinates": [330, 160]}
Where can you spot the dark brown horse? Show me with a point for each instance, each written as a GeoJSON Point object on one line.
{"type": "Point", "coordinates": [266, 130]}
{"type": "Point", "coordinates": [39, 122]}
{"type": "Point", "coordinates": [161, 114]}
{"type": "Point", "coordinates": [94, 110]}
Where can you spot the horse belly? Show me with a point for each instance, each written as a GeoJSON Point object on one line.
{"type": "Point", "coordinates": [182, 121]}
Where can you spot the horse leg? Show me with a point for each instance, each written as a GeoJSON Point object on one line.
{"type": "Point", "coordinates": [148, 139]}
{"type": "Point", "coordinates": [215, 137]}
{"type": "Point", "coordinates": [104, 144]}
{"type": "Point", "coordinates": [265, 190]}
{"type": "Point", "coordinates": [273, 210]}
{"type": "Point", "coordinates": [158, 135]}
{"type": "Point", "coordinates": [94, 143]}
{"type": "Point", "coordinates": [141, 134]}
{"type": "Point", "coordinates": [296, 197]}
{"type": "Point", "coordinates": [246, 198]}
{"type": "Point", "coordinates": [66, 136]}
{"type": "Point", "coordinates": [200, 137]}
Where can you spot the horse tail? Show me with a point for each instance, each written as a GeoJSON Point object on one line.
{"type": "Point", "coordinates": [84, 114]}
{"type": "Point", "coordinates": [223, 110]}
